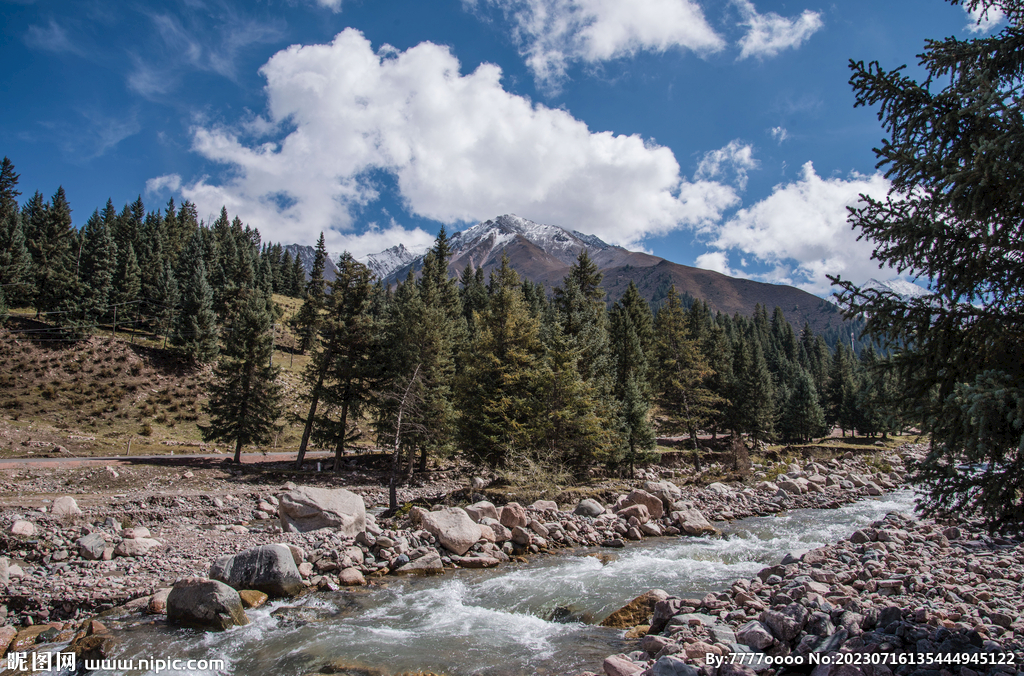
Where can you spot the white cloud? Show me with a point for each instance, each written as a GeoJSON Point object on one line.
{"type": "Point", "coordinates": [171, 182]}
{"type": "Point", "coordinates": [334, 5]}
{"type": "Point", "coordinates": [53, 38]}
{"type": "Point", "coordinates": [552, 34]}
{"type": "Point", "coordinates": [802, 232]}
{"type": "Point", "coordinates": [717, 261]}
{"type": "Point", "coordinates": [376, 239]}
{"type": "Point", "coordinates": [736, 157]}
{"type": "Point", "coordinates": [983, 20]}
{"type": "Point", "coordinates": [768, 34]}
{"type": "Point", "coordinates": [779, 134]}
{"type": "Point", "coordinates": [461, 148]}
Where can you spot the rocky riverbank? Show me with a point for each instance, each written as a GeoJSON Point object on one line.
{"type": "Point", "coordinates": [903, 596]}
{"type": "Point", "coordinates": [64, 565]}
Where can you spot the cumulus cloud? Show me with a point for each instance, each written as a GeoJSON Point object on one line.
{"type": "Point", "coordinates": [800, 231]}
{"type": "Point", "coordinates": [460, 148]}
{"type": "Point", "coordinates": [552, 34]}
{"type": "Point", "coordinates": [736, 158]}
{"type": "Point", "coordinates": [779, 134]}
{"type": "Point", "coordinates": [983, 20]}
{"type": "Point", "coordinates": [768, 34]}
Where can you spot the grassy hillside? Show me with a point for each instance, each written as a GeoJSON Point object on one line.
{"type": "Point", "coordinates": [94, 397]}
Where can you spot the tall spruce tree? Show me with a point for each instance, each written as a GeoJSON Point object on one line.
{"type": "Point", "coordinates": [15, 261]}
{"type": "Point", "coordinates": [632, 342]}
{"type": "Point", "coordinates": [681, 373]}
{"type": "Point", "coordinates": [245, 397]}
{"type": "Point", "coordinates": [500, 408]}
{"type": "Point", "coordinates": [54, 250]}
{"type": "Point", "coordinates": [953, 217]}
{"type": "Point", "coordinates": [307, 320]}
{"type": "Point", "coordinates": [96, 268]}
{"type": "Point", "coordinates": [348, 365]}
{"type": "Point", "coordinates": [195, 328]}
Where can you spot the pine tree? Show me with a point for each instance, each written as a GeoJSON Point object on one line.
{"type": "Point", "coordinates": [500, 409]}
{"type": "Point", "coordinates": [195, 329]}
{"type": "Point", "coordinates": [347, 367]}
{"type": "Point", "coordinates": [127, 287]}
{"type": "Point", "coordinates": [801, 416]}
{"type": "Point", "coordinates": [245, 397]}
{"type": "Point", "coordinates": [953, 216]}
{"type": "Point", "coordinates": [753, 408]}
{"type": "Point", "coordinates": [298, 279]}
{"type": "Point", "coordinates": [166, 300]}
{"type": "Point", "coordinates": [307, 320]}
{"type": "Point", "coordinates": [632, 342]}
{"type": "Point", "coordinates": [474, 296]}
{"type": "Point", "coordinates": [54, 255]}
{"type": "Point", "coordinates": [681, 373]}
{"type": "Point", "coordinates": [15, 262]}
{"type": "Point", "coordinates": [95, 271]}
{"type": "Point", "coordinates": [842, 391]}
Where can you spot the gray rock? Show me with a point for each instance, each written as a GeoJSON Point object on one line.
{"type": "Point", "coordinates": [207, 604]}
{"type": "Point", "coordinates": [453, 528]}
{"type": "Point", "coordinates": [481, 510]}
{"type": "Point", "coordinates": [785, 624]}
{"type": "Point", "coordinates": [136, 547]}
{"type": "Point", "coordinates": [426, 564]}
{"type": "Point", "coordinates": [820, 624]}
{"type": "Point", "coordinates": [719, 488]}
{"type": "Point", "coordinates": [520, 536]}
{"type": "Point", "coordinates": [756, 635]}
{"type": "Point", "coordinates": [545, 506]}
{"type": "Point", "coordinates": [65, 506]}
{"type": "Point", "coordinates": [270, 569]}
{"type": "Point", "coordinates": [588, 507]}
{"type": "Point", "coordinates": [722, 634]}
{"type": "Point", "coordinates": [5, 572]}
{"type": "Point", "coordinates": [670, 665]}
{"type": "Point", "coordinates": [307, 509]}
{"type": "Point", "coordinates": [91, 546]}
{"type": "Point", "coordinates": [654, 504]}
{"type": "Point", "coordinates": [692, 522]}
{"type": "Point", "coordinates": [793, 557]}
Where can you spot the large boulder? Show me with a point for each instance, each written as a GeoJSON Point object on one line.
{"type": "Point", "coordinates": [270, 569]}
{"type": "Point", "coordinates": [639, 511]}
{"type": "Point", "coordinates": [23, 528]}
{"type": "Point", "coordinates": [756, 635]}
{"type": "Point", "coordinates": [638, 611]}
{"type": "Point", "coordinates": [428, 564]}
{"type": "Point", "coordinates": [453, 528]}
{"type": "Point", "coordinates": [588, 507]}
{"type": "Point", "coordinates": [136, 547]}
{"type": "Point", "coordinates": [671, 665]}
{"type": "Point", "coordinates": [207, 604]}
{"type": "Point", "coordinates": [785, 623]}
{"type": "Point", "coordinates": [65, 506]}
{"type": "Point", "coordinates": [692, 522]}
{"type": "Point", "coordinates": [91, 546]}
{"type": "Point", "coordinates": [513, 515]}
{"type": "Point", "coordinates": [653, 503]}
{"type": "Point", "coordinates": [482, 510]}
{"type": "Point", "coordinates": [306, 509]}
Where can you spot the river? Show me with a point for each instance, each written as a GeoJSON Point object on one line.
{"type": "Point", "coordinates": [536, 618]}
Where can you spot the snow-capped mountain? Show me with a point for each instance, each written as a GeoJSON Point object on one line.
{"type": "Point", "coordinates": [900, 287]}
{"type": "Point", "coordinates": [388, 261]}
{"type": "Point", "coordinates": [306, 254]}
{"type": "Point", "coordinates": [478, 244]}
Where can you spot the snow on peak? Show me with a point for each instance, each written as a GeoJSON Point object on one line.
{"type": "Point", "coordinates": [554, 240]}
{"type": "Point", "coordinates": [388, 261]}
{"type": "Point", "coordinates": [900, 287]}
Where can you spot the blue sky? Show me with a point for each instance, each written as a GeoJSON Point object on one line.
{"type": "Point", "coordinates": [719, 134]}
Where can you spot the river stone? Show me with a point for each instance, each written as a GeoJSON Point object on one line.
{"type": "Point", "coordinates": [588, 507]}
{"type": "Point", "coordinates": [789, 486]}
{"type": "Point", "coordinates": [207, 604]}
{"type": "Point", "coordinates": [65, 506]}
{"type": "Point", "coordinates": [479, 562]}
{"type": "Point", "coordinates": [270, 569]}
{"type": "Point", "coordinates": [23, 528]}
{"type": "Point", "coordinates": [639, 511]}
{"type": "Point", "coordinates": [7, 635]}
{"type": "Point", "coordinates": [785, 624]}
{"type": "Point", "coordinates": [453, 528]}
{"type": "Point", "coordinates": [719, 488]}
{"type": "Point", "coordinates": [755, 634]}
{"type": "Point", "coordinates": [135, 532]}
{"type": "Point", "coordinates": [545, 506]}
{"type": "Point", "coordinates": [653, 503]}
{"type": "Point", "coordinates": [670, 665]}
{"type": "Point", "coordinates": [617, 665]}
{"type": "Point", "coordinates": [307, 509]}
{"type": "Point", "coordinates": [91, 546]}
{"type": "Point", "coordinates": [136, 547]}
{"type": "Point", "coordinates": [692, 522]}
{"type": "Point", "coordinates": [501, 534]}
{"type": "Point", "coordinates": [158, 602]}
{"type": "Point", "coordinates": [794, 556]}
{"type": "Point", "coordinates": [427, 564]}
{"type": "Point", "coordinates": [513, 515]}
{"type": "Point", "coordinates": [638, 611]}
{"type": "Point", "coordinates": [482, 509]}
{"type": "Point", "coordinates": [520, 536]}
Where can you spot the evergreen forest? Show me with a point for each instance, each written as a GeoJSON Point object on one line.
{"type": "Point", "coordinates": [507, 372]}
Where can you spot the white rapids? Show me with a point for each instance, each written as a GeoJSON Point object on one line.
{"type": "Point", "coordinates": [538, 618]}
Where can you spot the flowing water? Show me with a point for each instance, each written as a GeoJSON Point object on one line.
{"type": "Point", "coordinates": [537, 618]}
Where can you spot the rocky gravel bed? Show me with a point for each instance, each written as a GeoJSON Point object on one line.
{"type": "Point", "coordinates": [68, 563]}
